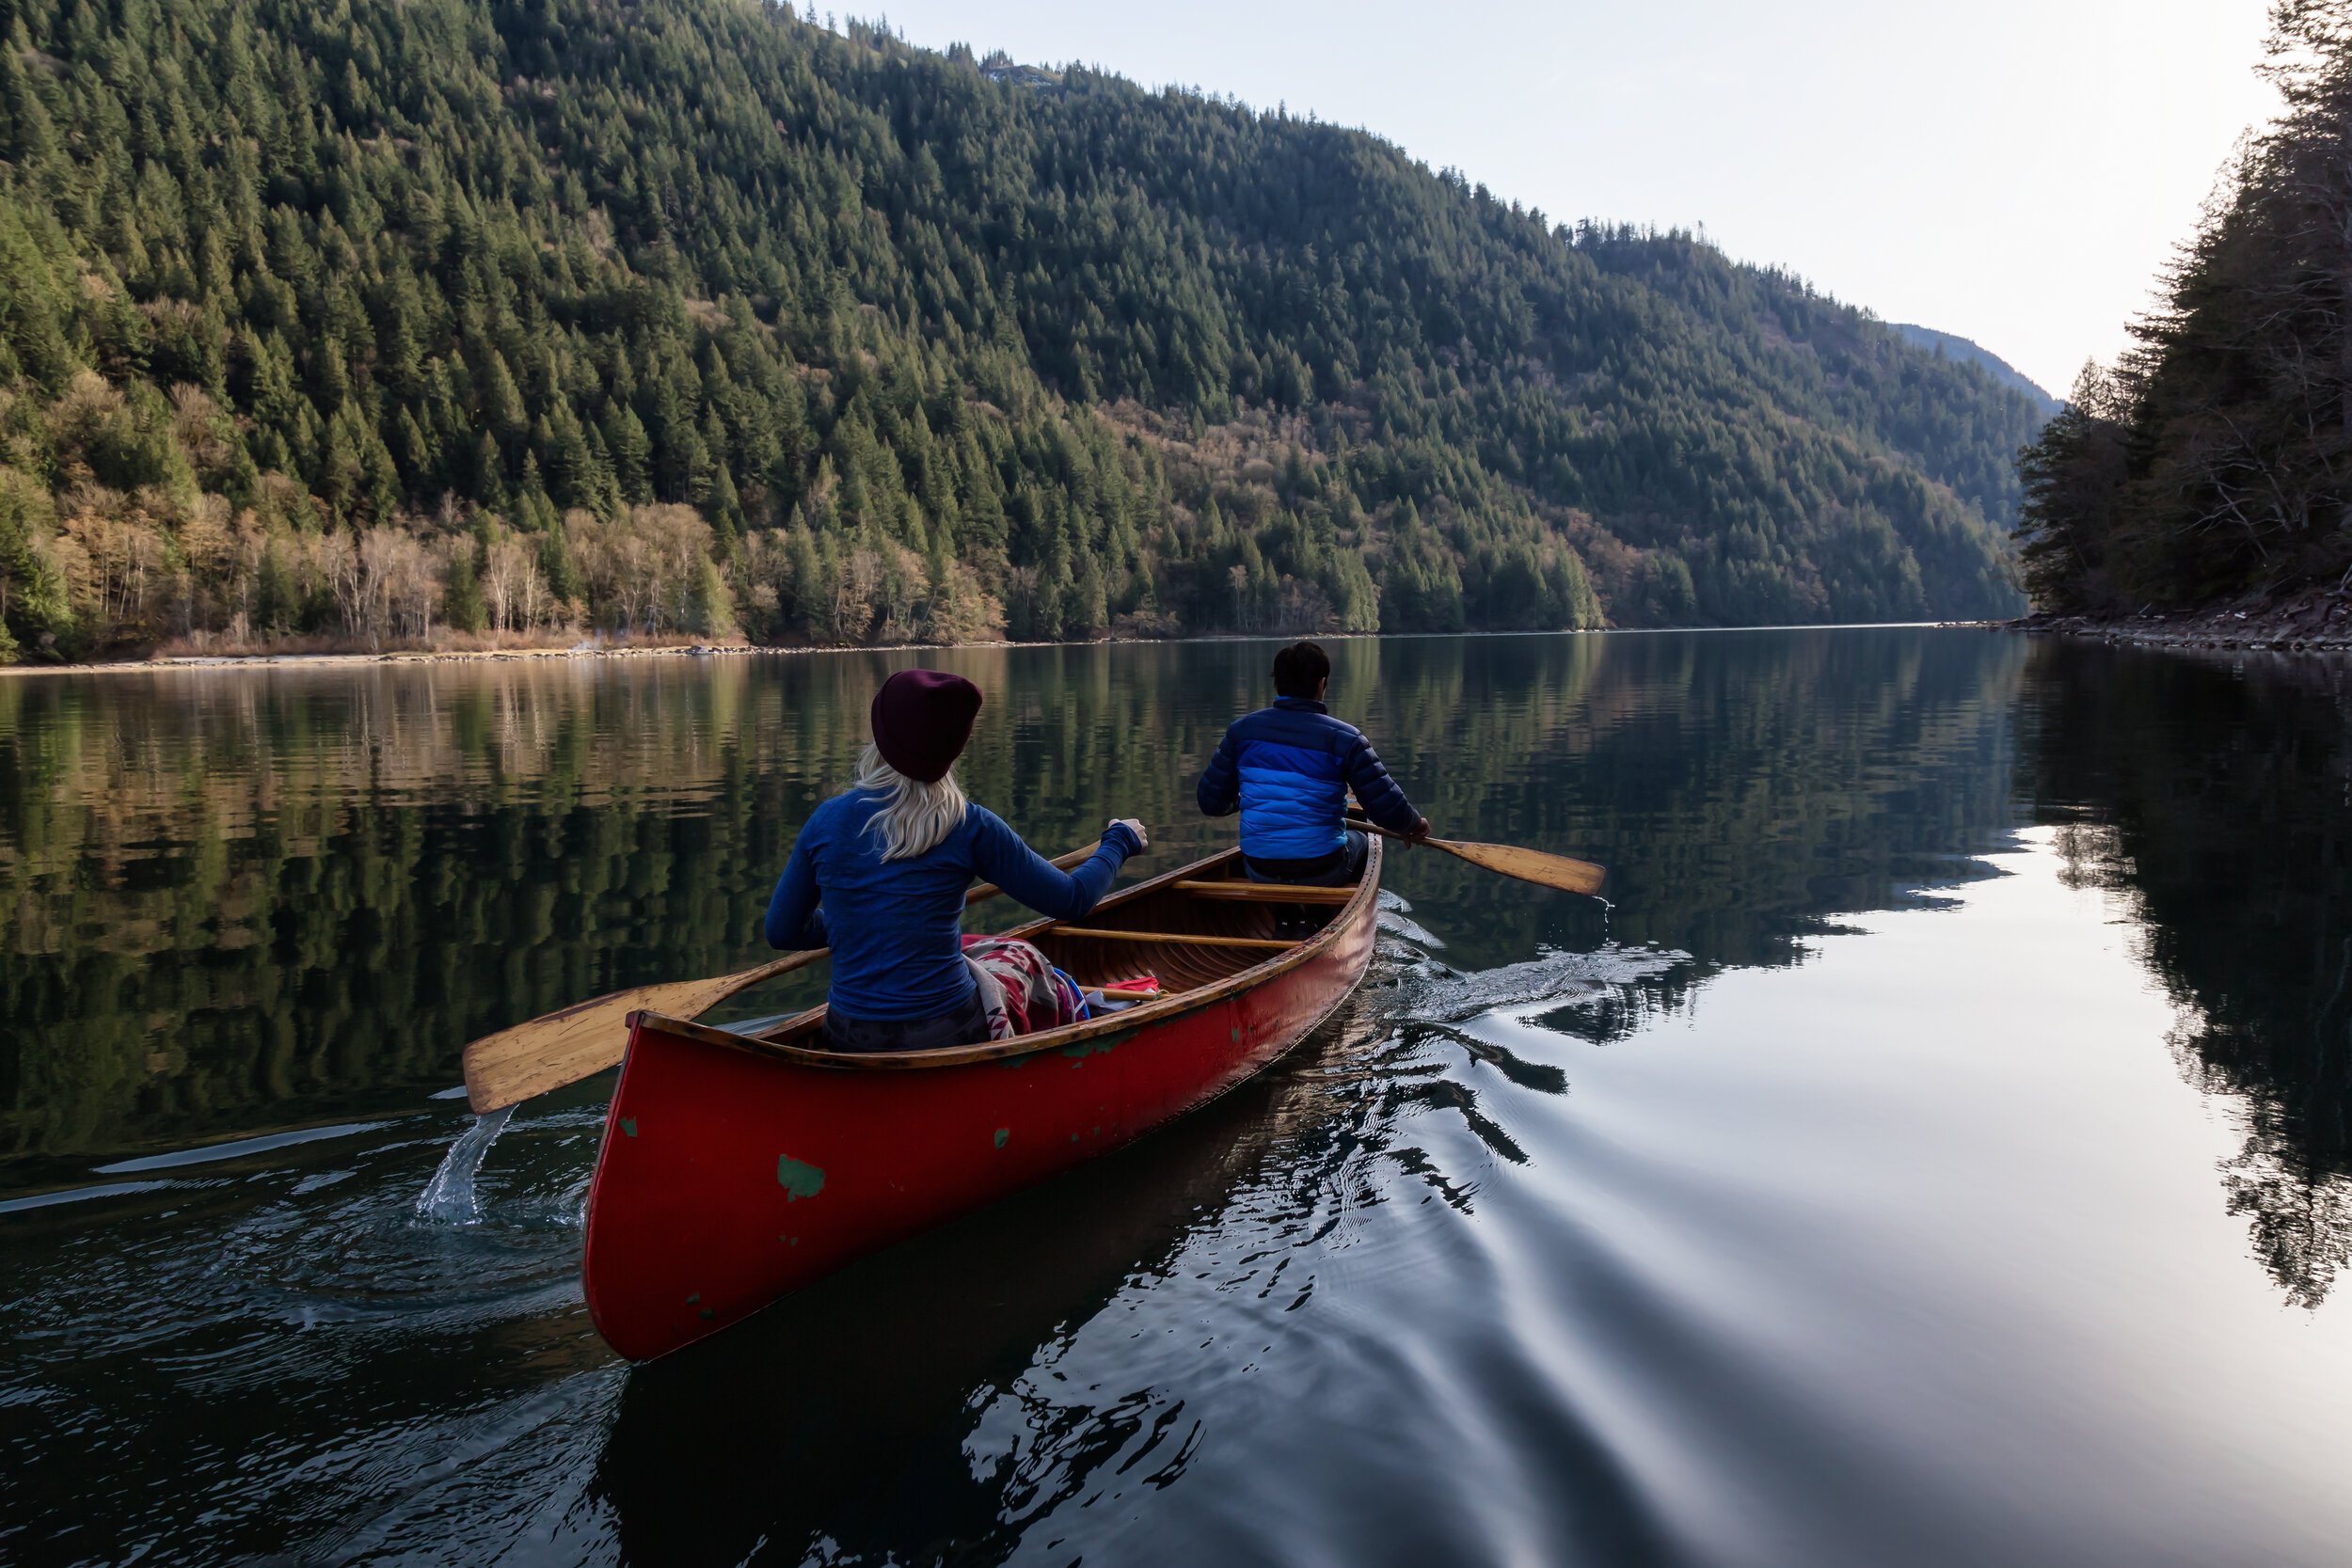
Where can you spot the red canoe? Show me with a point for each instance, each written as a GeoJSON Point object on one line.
{"type": "Point", "coordinates": [737, 1168]}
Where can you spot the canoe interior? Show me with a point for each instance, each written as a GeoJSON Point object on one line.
{"type": "Point", "coordinates": [1155, 906]}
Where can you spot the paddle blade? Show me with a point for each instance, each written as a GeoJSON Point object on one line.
{"type": "Point", "coordinates": [511, 1066]}
{"type": "Point", "coordinates": [1528, 866]}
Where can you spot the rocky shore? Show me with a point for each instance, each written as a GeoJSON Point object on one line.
{"type": "Point", "coordinates": [2305, 620]}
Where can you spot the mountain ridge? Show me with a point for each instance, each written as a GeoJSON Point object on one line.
{"type": "Point", "coordinates": [1973, 353]}
{"type": "Point", "coordinates": [695, 314]}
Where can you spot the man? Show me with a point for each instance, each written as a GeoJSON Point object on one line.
{"type": "Point", "coordinates": [1287, 768]}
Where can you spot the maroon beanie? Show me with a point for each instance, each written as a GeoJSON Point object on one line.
{"type": "Point", "coordinates": [921, 720]}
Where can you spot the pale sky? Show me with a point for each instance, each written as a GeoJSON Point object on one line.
{"type": "Point", "coordinates": [2014, 171]}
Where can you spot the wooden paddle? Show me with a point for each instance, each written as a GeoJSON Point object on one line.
{"type": "Point", "coordinates": [511, 1066]}
{"type": "Point", "coordinates": [1528, 866]}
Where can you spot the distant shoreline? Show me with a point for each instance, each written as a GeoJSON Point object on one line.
{"type": "Point", "coordinates": [401, 655]}
{"type": "Point", "coordinates": [708, 650]}
{"type": "Point", "coordinates": [488, 656]}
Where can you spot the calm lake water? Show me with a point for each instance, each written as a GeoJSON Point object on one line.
{"type": "Point", "coordinates": [1937, 1155]}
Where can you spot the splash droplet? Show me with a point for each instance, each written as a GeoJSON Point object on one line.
{"type": "Point", "coordinates": [449, 1196]}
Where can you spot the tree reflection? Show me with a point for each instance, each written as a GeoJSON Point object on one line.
{"type": "Point", "coordinates": [238, 896]}
{"type": "Point", "coordinates": [2211, 793]}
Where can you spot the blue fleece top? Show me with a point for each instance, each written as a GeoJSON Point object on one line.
{"type": "Point", "coordinates": [1287, 768]}
{"type": "Point", "coordinates": [895, 928]}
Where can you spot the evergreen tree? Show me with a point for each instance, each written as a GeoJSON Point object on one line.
{"type": "Point", "coordinates": [1083, 348]}
{"type": "Point", "coordinates": [2217, 457]}
{"type": "Point", "coordinates": [461, 602]}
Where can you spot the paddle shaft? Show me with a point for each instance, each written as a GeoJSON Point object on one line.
{"type": "Point", "coordinates": [1528, 866]}
{"type": "Point", "coordinates": [581, 1040]}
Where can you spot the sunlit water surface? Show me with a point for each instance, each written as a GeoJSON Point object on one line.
{"type": "Point", "coordinates": [1935, 1156]}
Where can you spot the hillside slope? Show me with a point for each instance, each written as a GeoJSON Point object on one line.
{"type": "Point", "coordinates": [381, 318]}
{"type": "Point", "coordinates": [1970, 352]}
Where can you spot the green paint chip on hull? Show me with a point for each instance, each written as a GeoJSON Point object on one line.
{"type": "Point", "coordinates": [798, 1179]}
{"type": "Point", "coordinates": [1002, 1134]}
{"type": "Point", "coordinates": [692, 1299]}
{"type": "Point", "coordinates": [628, 1125]}
{"type": "Point", "coordinates": [1102, 1046]}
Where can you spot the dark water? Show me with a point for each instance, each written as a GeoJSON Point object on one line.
{"type": "Point", "coordinates": [1937, 1155]}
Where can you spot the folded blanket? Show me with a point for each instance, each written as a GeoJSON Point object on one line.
{"type": "Point", "coordinates": [1021, 990]}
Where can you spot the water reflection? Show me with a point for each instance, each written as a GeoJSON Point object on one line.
{"type": "Point", "coordinates": [241, 899]}
{"type": "Point", "coordinates": [910, 1406]}
{"type": "Point", "coordinates": [933, 1403]}
{"type": "Point", "coordinates": [2213, 792]}
{"type": "Point", "coordinates": [1743, 788]}
{"type": "Point", "coordinates": [1586, 1233]}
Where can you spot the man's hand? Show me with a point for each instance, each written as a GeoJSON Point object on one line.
{"type": "Point", "coordinates": [1420, 832]}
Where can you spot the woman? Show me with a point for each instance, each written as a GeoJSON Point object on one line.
{"type": "Point", "coordinates": [890, 859]}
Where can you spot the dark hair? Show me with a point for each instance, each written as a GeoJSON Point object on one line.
{"type": "Point", "coordinates": [1299, 669]}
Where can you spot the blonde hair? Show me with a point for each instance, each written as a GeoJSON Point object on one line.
{"type": "Point", "coordinates": [918, 816]}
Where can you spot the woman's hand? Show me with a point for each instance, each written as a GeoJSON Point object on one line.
{"type": "Point", "coordinates": [1143, 839]}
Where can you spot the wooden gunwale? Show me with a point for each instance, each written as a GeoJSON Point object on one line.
{"type": "Point", "coordinates": [1174, 1005]}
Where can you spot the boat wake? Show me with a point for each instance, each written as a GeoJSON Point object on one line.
{"type": "Point", "coordinates": [1433, 992]}
{"type": "Point", "coordinates": [1428, 991]}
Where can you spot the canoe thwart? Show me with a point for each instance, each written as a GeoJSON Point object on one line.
{"type": "Point", "coordinates": [1185, 937]}
{"type": "Point", "coordinates": [1273, 893]}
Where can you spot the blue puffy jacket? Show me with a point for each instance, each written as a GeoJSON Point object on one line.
{"type": "Point", "coordinates": [1289, 767]}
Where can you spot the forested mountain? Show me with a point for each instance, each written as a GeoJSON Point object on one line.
{"type": "Point", "coordinates": [368, 319]}
{"type": "Point", "coordinates": [2215, 457]}
{"type": "Point", "coordinates": [2001, 370]}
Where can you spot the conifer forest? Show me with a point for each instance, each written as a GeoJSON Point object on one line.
{"type": "Point", "coordinates": [2214, 458]}
{"type": "Point", "coordinates": [373, 325]}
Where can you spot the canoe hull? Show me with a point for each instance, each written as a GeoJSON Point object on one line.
{"type": "Point", "coordinates": [729, 1178]}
